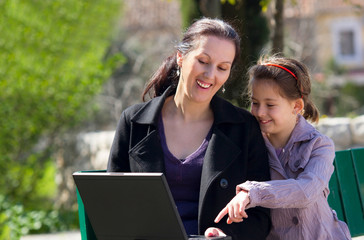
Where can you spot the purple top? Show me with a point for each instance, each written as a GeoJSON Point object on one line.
{"type": "Point", "coordinates": [184, 177]}
{"type": "Point", "coordinates": [278, 151]}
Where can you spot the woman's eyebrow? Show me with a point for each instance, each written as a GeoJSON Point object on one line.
{"type": "Point", "coordinates": [228, 62]}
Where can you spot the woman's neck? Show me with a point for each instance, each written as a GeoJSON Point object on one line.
{"type": "Point", "coordinates": [187, 111]}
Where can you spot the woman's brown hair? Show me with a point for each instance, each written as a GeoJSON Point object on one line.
{"type": "Point", "coordinates": [166, 75]}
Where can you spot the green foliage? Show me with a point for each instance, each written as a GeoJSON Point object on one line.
{"type": "Point", "coordinates": [189, 12]}
{"type": "Point", "coordinates": [30, 181]}
{"type": "Point", "coordinates": [264, 4]}
{"type": "Point", "coordinates": [338, 101]}
{"type": "Point", "coordinates": [333, 68]}
{"type": "Point", "coordinates": [232, 2]}
{"type": "Point", "coordinates": [16, 221]}
{"type": "Point", "coordinates": [350, 101]}
{"type": "Point", "coordinates": [333, 98]}
{"type": "Point", "coordinates": [52, 64]}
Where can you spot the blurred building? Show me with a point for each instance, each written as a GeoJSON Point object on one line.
{"type": "Point", "coordinates": [149, 15]}
{"type": "Point", "coordinates": [328, 34]}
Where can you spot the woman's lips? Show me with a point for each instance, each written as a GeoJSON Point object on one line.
{"type": "Point", "coordinates": [203, 84]}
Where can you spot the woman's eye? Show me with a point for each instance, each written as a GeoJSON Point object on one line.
{"type": "Point", "coordinates": [270, 105]}
{"type": "Point", "coordinates": [223, 69]}
{"type": "Point", "coordinates": [202, 62]}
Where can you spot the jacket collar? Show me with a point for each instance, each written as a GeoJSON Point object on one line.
{"type": "Point", "coordinates": [223, 112]}
{"type": "Point", "coordinates": [150, 112]}
{"type": "Point", "coordinates": [303, 131]}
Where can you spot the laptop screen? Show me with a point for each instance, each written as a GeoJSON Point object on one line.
{"type": "Point", "coordinates": [129, 206]}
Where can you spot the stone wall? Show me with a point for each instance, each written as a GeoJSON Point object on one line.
{"type": "Point", "coordinates": [345, 132]}
{"type": "Point", "coordinates": [90, 151]}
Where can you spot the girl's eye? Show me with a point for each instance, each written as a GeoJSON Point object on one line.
{"type": "Point", "coordinates": [270, 105]}
{"type": "Point", "coordinates": [202, 62]}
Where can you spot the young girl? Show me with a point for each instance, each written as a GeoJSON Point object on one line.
{"type": "Point", "coordinates": [301, 158]}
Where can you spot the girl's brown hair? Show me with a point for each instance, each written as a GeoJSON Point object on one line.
{"type": "Point", "coordinates": [166, 75]}
{"type": "Point", "coordinates": [294, 81]}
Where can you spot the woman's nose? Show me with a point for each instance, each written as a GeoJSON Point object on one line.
{"type": "Point", "coordinates": [209, 73]}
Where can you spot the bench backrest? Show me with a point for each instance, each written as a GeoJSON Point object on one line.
{"type": "Point", "coordinates": [347, 189]}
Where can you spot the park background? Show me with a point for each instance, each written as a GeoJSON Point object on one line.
{"type": "Point", "coordinates": [69, 67]}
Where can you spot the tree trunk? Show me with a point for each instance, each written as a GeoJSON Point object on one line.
{"type": "Point", "coordinates": [252, 27]}
{"type": "Point", "coordinates": [277, 38]}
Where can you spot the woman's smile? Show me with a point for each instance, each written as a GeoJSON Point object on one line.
{"type": "Point", "coordinates": [203, 84]}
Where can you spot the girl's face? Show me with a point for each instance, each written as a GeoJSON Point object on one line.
{"type": "Point", "coordinates": [205, 69]}
{"type": "Point", "coordinates": [276, 115]}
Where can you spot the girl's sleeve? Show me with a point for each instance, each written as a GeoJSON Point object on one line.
{"type": "Point", "coordinates": [300, 192]}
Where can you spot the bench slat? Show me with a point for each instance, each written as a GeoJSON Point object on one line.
{"type": "Point", "coordinates": [350, 195]}
{"type": "Point", "coordinates": [334, 198]}
{"type": "Point", "coordinates": [358, 161]}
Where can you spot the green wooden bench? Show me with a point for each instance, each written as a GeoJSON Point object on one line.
{"type": "Point", "coordinates": [346, 193]}
{"type": "Point", "coordinates": [347, 189]}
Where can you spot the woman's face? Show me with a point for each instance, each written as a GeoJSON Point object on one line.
{"type": "Point", "coordinates": [205, 69]}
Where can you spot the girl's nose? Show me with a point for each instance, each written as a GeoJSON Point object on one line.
{"type": "Point", "coordinates": [260, 111]}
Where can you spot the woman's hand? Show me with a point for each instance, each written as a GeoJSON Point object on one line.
{"type": "Point", "coordinates": [235, 208]}
{"type": "Point", "coordinates": [214, 232]}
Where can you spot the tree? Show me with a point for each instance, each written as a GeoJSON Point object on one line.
{"type": "Point", "coordinates": [278, 28]}
{"type": "Point", "coordinates": [51, 65]}
{"type": "Point", "coordinates": [190, 11]}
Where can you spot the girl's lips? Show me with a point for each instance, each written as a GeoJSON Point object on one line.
{"type": "Point", "coordinates": [203, 85]}
{"type": "Point", "coordinates": [264, 121]}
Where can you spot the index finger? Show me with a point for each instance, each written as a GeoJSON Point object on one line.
{"type": "Point", "coordinates": [221, 214]}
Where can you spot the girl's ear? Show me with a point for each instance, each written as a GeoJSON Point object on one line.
{"type": "Point", "coordinates": [179, 58]}
{"type": "Point", "coordinates": [299, 105]}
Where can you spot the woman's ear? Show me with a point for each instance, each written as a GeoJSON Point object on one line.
{"type": "Point", "coordinates": [179, 58]}
{"type": "Point", "coordinates": [299, 105]}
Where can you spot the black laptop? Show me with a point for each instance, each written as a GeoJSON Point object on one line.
{"type": "Point", "coordinates": [131, 206]}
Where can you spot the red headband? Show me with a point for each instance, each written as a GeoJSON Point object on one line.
{"type": "Point", "coordinates": [279, 66]}
{"type": "Point", "coordinates": [285, 69]}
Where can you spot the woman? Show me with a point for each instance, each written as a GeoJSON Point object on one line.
{"type": "Point", "coordinates": [203, 144]}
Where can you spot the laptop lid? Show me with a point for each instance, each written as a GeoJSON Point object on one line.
{"type": "Point", "coordinates": [131, 206]}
